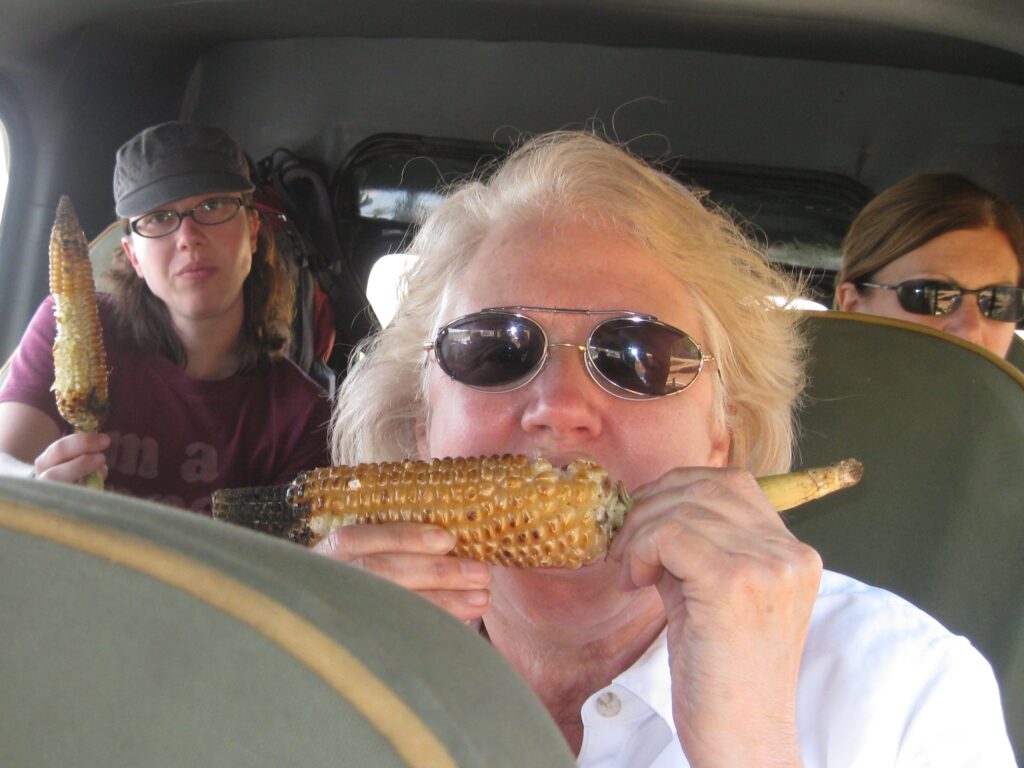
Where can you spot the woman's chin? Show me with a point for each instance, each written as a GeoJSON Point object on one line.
{"type": "Point", "coordinates": [561, 596]}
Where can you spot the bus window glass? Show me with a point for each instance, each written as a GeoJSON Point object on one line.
{"type": "Point", "coordinates": [5, 164]}
{"type": "Point", "coordinates": [382, 285]}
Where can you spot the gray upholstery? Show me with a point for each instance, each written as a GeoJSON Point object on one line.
{"type": "Point", "coordinates": [140, 635]}
{"type": "Point", "coordinates": [1016, 353]}
{"type": "Point", "coordinates": [939, 515]}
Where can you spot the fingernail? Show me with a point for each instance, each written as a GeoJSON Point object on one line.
{"type": "Point", "coordinates": [438, 540]}
{"type": "Point", "coordinates": [483, 597]}
{"type": "Point", "coordinates": [475, 572]}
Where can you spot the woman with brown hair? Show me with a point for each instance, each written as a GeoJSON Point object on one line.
{"type": "Point", "coordinates": [195, 330]}
{"type": "Point", "coordinates": [939, 250]}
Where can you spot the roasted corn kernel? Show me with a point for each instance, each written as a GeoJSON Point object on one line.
{"type": "Point", "coordinates": [501, 509]}
{"type": "Point", "coordinates": [79, 360]}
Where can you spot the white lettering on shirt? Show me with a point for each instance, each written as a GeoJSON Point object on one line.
{"type": "Point", "coordinates": [201, 467]}
{"type": "Point", "coordinates": [133, 455]}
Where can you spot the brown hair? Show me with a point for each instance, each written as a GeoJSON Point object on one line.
{"type": "Point", "coordinates": [909, 214]}
{"type": "Point", "coordinates": [142, 319]}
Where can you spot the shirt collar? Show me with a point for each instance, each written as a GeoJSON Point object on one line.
{"type": "Point", "coordinates": [649, 680]}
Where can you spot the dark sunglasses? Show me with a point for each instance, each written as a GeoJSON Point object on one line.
{"type": "Point", "coordinates": [631, 355]}
{"type": "Point", "coordinates": [1004, 303]}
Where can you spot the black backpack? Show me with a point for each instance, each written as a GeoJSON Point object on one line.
{"type": "Point", "coordinates": [293, 194]}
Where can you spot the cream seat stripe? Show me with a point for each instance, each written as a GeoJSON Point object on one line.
{"type": "Point", "coordinates": [371, 697]}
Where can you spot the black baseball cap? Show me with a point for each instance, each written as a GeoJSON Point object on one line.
{"type": "Point", "coordinates": [170, 161]}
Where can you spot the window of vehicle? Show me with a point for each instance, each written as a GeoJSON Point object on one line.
{"type": "Point", "coordinates": [391, 182]}
{"type": "Point", "coordinates": [5, 165]}
{"type": "Point", "coordinates": [382, 285]}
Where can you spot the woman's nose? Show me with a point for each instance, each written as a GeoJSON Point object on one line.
{"type": "Point", "coordinates": [189, 230]}
{"type": "Point", "coordinates": [562, 397]}
{"type": "Point", "coordinates": [967, 321]}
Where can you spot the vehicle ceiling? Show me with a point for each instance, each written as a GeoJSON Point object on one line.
{"type": "Point", "coordinates": [877, 31]}
{"type": "Point", "coordinates": [77, 78]}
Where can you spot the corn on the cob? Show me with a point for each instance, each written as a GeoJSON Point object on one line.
{"type": "Point", "coordinates": [501, 509]}
{"type": "Point", "coordinates": [79, 360]}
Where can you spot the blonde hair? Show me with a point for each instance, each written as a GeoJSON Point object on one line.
{"type": "Point", "coordinates": [917, 210]}
{"type": "Point", "coordinates": [758, 347]}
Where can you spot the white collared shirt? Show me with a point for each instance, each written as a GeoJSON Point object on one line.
{"type": "Point", "coordinates": [881, 684]}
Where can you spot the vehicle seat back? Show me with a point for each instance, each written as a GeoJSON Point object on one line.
{"type": "Point", "coordinates": [939, 515]}
{"type": "Point", "coordinates": [139, 634]}
{"type": "Point", "coordinates": [1016, 354]}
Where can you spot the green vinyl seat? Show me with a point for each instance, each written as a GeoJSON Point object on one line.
{"type": "Point", "coordinates": [939, 515]}
{"type": "Point", "coordinates": [1016, 353]}
{"type": "Point", "coordinates": [140, 635]}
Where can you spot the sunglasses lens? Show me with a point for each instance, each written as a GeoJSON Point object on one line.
{"type": "Point", "coordinates": [927, 297]}
{"type": "Point", "coordinates": [490, 349]}
{"type": "Point", "coordinates": [1004, 303]}
{"type": "Point", "coordinates": [644, 358]}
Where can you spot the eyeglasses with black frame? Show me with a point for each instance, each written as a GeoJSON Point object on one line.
{"type": "Point", "coordinates": [1002, 303]}
{"type": "Point", "coordinates": [216, 210]}
{"type": "Point", "coordinates": [630, 355]}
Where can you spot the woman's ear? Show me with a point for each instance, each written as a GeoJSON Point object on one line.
{"type": "Point", "coordinates": [129, 251]}
{"type": "Point", "coordinates": [847, 297]}
{"type": "Point", "coordinates": [721, 446]}
{"type": "Point", "coordinates": [254, 229]}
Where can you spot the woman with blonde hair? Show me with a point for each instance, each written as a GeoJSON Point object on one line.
{"type": "Point", "coordinates": [939, 250]}
{"type": "Point", "coordinates": [579, 304]}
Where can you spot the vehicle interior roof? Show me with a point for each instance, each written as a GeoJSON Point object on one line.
{"type": "Point", "coordinates": [869, 31]}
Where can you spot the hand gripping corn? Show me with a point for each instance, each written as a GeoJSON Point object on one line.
{"type": "Point", "coordinates": [79, 361]}
{"type": "Point", "coordinates": [506, 510]}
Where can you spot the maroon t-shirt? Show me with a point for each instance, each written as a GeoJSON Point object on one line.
{"type": "Point", "coordinates": [176, 439]}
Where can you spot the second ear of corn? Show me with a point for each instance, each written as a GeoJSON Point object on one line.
{"type": "Point", "coordinates": [505, 510]}
{"type": "Point", "coordinates": [79, 360]}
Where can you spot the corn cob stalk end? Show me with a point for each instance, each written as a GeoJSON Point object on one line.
{"type": "Point", "coordinates": [795, 488]}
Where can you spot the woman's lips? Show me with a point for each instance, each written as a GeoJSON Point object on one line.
{"type": "Point", "coordinates": [196, 272]}
{"type": "Point", "coordinates": [563, 459]}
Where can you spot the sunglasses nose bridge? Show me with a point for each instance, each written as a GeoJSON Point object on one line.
{"type": "Point", "coordinates": [567, 345]}
{"type": "Point", "coordinates": [968, 316]}
{"type": "Point", "coordinates": [562, 345]}
{"type": "Point", "coordinates": [581, 348]}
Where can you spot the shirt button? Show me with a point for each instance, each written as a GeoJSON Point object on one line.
{"type": "Point", "coordinates": [608, 704]}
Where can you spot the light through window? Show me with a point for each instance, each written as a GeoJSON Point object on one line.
{"type": "Point", "coordinates": [382, 284]}
{"type": "Point", "coordinates": [5, 165]}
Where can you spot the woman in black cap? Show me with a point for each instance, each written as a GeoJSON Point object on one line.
{"type": "Point", "coordinates": [201, 395]}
